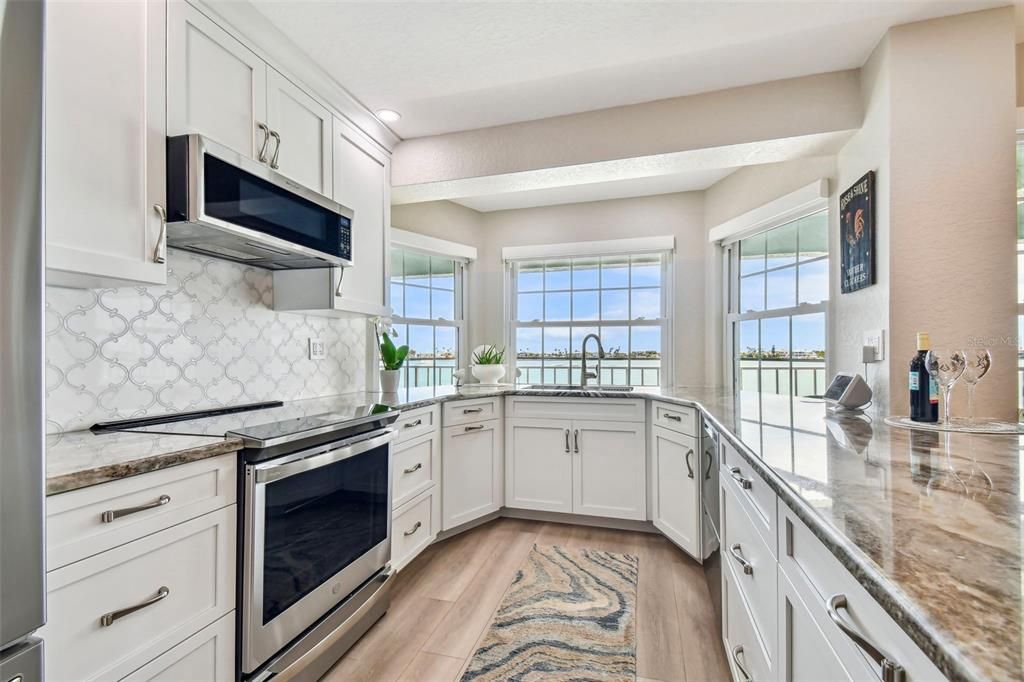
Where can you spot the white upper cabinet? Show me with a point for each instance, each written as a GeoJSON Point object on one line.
{"type": "Point", "coordinates": [105, 153]}
{"type": "Point", "coordinates": [362, 180]}
{"type": "Point", "coordinates": [300, 127]}
{"type": "Point", "coordinates": [216, 86]}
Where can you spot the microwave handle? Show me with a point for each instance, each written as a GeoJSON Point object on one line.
{"type": "Point", "coordinates": [341, 279]}
{"type": "Point", "coordinates": [160, 250]}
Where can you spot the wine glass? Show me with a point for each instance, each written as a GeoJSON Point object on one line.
{"type": "Point", "coordinates": [979, 361]}
{"type": "Point", "coordinates": [946, 366]}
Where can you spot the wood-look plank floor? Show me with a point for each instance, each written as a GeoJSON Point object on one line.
{"type": "Point", "coordinates": [444, 600]}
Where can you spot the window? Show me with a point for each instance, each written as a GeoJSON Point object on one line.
{"type": "Point", "coordinates": [778, 296]}
{"type": "Point", "coordinates": [426, 301]}
{"type": "Point", "coordinates": [556, 303]}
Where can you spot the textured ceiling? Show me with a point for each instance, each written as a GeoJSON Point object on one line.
{"type": "Point", "coordinates": [450, 66]}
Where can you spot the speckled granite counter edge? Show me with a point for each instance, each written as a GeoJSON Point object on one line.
{"type": "Point", "coordinates": [62, 483]}
{"type": "Point", "coordinates": [893, 600]}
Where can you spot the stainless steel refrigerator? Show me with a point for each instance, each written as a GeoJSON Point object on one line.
{"type": "Point", "coordinates": [22, 564]}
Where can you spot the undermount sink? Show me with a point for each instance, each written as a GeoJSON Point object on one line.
{"type": "Point", "coordinates": [577, 387]}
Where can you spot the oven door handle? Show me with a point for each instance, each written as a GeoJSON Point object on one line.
{"type": "Point", "coordinates": [270, 472]}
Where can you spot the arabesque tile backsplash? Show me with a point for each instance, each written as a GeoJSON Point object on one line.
{"type": "Point", "coordinates": [210, 337]}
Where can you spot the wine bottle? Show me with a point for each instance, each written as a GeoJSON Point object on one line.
{"type": "Point", "coordinates": [924, 391]}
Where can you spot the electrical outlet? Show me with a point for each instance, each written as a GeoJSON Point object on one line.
{"type": "Point", "coordinates": [875, 339]}
{"type": "Point", "coordinates": [317, 349]}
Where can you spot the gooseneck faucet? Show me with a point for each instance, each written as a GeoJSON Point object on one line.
{"type": "Point", "coordinates": [585, 375]}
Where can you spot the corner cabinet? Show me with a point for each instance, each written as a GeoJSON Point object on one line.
{"type": "Point", "coordinates": [676, 461]}
{"type": "Point", "coordinates": [472, 468]}
{"type": "Point", "coordinates": [105, 150]}
{"type": "Point", "coordinates": [362, 179]}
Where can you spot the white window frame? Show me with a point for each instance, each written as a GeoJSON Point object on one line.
{"type": "Point", "coordinates": [461, 293]}
{"type": "Point", "coordinates": [731, 295]}
{"type": "Point", "coordinates": [665, 320]}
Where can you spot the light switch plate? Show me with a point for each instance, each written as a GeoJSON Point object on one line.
{"type": "Point", "coordinates": [317, 349]}
{"type": "Point", "coordinates": [875, 338]}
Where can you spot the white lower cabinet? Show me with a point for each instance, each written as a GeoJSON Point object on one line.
{"type": "Point", "coordinates": [807, 655]}
{"type": "Point", "coordinates": [676, 461]}
{"type": "Point", "coordinates": [609, 472]}
{"type": "Point", "coordinates": [743, 646]}
{"type": "Point", "coordinates": [538, 465]}
{"type": "Point", "coordinates": [414, 526]}
{"type": "Point", "coordinates": [183, 578]}
{"type": "Point", "coordinates": [207, 656]}
{"type": "Point", "coordinates": [596, 468]}
{"type": "Point", "coordinates": [472, 471]}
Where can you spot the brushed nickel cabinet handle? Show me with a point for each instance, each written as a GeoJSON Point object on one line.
{"type": "Point", "coordinates": [689, 467]}
{"type": "Point", "coordinates": [412, 424]}
{"type": "Point", "coordinates": [277, 149]}
{"type": "Point", "coordinates": [475, 428]}
{"type": "Point", "coordinates": [107, 619]}
{"type": "Point", "coordinates": [160, 250]}
{"type": "Point", "coordinates": [115, 514]}
{"type": "Point", "coordinates": [736, 652]}
{"type": "Point", "coordinates": [891, 670]}
{"type": "Point", "coordinates": [413, 469]}
{"type": "Point", "coordinates": [567, 441]}
{"type": "Point", "coordinates": [261, 155]}
{"type": "Point", "coordinates": [673, 417]}
{"type": "Point", "coordinates": [576, 441]}
{"type": "Point", "coordinates": [415, 527]}
{"type": "Point", "coordinates": [735, 550]}
{"type": "Point", "coordinates": [473, 410]}
{"type": "Point", "coordinates": [745, 483]}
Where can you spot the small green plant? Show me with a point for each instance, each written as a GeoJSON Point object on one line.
{"type": "Point", "coordinates": [489, 356]}
{"type": "Point", "coordinates": [392, 356]}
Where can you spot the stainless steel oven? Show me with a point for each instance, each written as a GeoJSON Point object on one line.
{"type": "Point", "coordinates": [316, 534]}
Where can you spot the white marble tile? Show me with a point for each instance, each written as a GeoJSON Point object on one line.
{"type": "Point", "coordinates": [210, 337]}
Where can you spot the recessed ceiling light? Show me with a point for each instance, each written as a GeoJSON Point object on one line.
{"type": "Point", "coordinates": [388, 116]}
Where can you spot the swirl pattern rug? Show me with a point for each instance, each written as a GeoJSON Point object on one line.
{"type": "Point", "coordinates": [570, 614]}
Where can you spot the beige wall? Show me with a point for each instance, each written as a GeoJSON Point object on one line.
{"type": "Point", "coordinates": [668, 214]}
{"type": "Point", "coordinates": [795, 107]}
{"type": "Point", "coordinates": [1020, 75]}
{"type": "Point", "coordinates": [953, 220]}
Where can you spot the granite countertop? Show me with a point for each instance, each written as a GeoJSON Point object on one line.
{"type": "Point", "coordinates": [929, 523]}
{"type": "Point", "coordinates": [78, 459]}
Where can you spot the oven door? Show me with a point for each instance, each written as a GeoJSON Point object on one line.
{"type": "Point", "coordinates": [317, 526]}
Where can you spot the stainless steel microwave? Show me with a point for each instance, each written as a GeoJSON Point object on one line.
{"type": "Point", "coordinates": [225, 205]}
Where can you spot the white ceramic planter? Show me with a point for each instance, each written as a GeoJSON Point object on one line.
{"type": "Point", "coordinates": [389, 380]}
{"type": "Point", "coordinates": [488, 374]}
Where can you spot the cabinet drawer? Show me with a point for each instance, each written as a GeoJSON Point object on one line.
{"type": "Point", "coordinates": [817, 577]}
{"type": "Point", "coordinates": [417, 423]}
{"type": "Point", "coordinates": [194, 561]}
{"type": "Point", "coordinates": [75, 523]}
{"type": "Point", "coordinates": [753, 492]}
{"type": "Point", "coordinates": [471, 411]}
{"type": "Point", "coordinates": [594, 409]}
{"type": "Point", "coordinates": [675, 417]}
{"type": "Point", "coordinates": [743, 648]}
{"type": "Point", "coordinates": [805, 655]}
{"type": "Point", "coordinates": [208, 655]}
{"type": "Point", "coordinates": [417, 466]}
{"type": "Point", "coordinates": [414, 526]}
{"type": "Point", "coordinates": [754, 567]}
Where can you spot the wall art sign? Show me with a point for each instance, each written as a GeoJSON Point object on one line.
{"type": "Point", "coordinates": [857, 230]}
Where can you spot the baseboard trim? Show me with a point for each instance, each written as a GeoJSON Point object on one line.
{"type": "Point", "coordinates": [579, 520]}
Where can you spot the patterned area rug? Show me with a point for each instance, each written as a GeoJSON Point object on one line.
{"type": "Point", "coordinates": [569, 615]}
